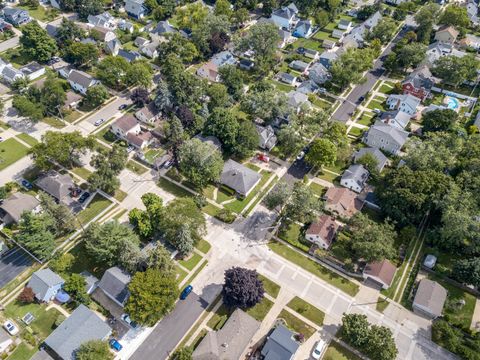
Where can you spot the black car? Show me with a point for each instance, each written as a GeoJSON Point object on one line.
{"type": "Point", "coordinates": [122, 107]}
{"type": "Point", "coordinates": [301, 50]}
{"type": "Point", "coordinates": [84, 197]}
{"type": "Point", "coordinates": [360, 99]}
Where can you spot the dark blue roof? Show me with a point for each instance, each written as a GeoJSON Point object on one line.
{"type": "Point", "coordinates": [280, 345]}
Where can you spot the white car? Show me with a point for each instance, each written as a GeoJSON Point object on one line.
{"type": "Point", "coordinates": [318, 351]}
{"type": "Point", "coordinates": [10, 327]}
{"type": "Point", "coordinates": [99, 122]}
{"type": "Point", "coordinates": [301, 155]}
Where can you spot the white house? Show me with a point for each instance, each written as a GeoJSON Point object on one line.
{"type": "Point", "coordinates": [406, 103]}
{"type": "Point", "coordinates": [135, 8]}
{"type": "Point", "coordinates": [81, 81]}
{"type": "Point", "coordinates": [150, 50]}
{"type": "Point", "coordinates": [285, 17]}
{"type": "Point", "coordinates": [148, 114]}
{"type": "Point", "coordinates": [33, 70]}
{"type": "Point", "coordinates": [354, 178]}
{"type": "Point", "coordinates": [322, 231]}
{"type": "Point", "coordinates": [127, 128]}
{"type": "Point", "coordinates": [104, 20]}
{"type": "Point", "coordinates": [45, 284]}
{"type": "Point", "coordinates": [10, 74]}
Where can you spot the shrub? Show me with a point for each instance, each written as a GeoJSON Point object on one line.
{"type": "Point", "coordinates": [226, 215]}
{"type": "Point", "coordinates": [26, 296]}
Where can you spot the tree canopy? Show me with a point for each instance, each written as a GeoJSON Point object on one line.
{"type": "Point", "coordinates": [94, 350]}
{"type": "Point", "coordinates": [36, 42]}
{"type": "Point", "coordinates": [242, 288]}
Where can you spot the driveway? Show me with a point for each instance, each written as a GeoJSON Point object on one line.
{"type": "Point", "coordinates": [170, 331]}
{"type": "Point", "coordinates": [12, 264]}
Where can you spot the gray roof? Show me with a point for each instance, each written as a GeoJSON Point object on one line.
{"type": "Point", "coordinates": [129, 55]}
{"type": "Point", "coordinates": [81, 78]}
{"type": "Point", "coordinates": [42, 280]}
{"type": "Point", "coordinates": [114, 283]}
{"type": "Point", "coordinates": [280, 345]}
{"type": "Point", "coordinates": [10, 72]}
{"type": "Point", "coordinates": [239, 177]}
{"type": "Point", "coordinates": [17, 203]}
{"type": "Point", "coordinates": [430, 295]}
{"type": "Point", "coordinates": [230, 341]}
{"type": "Point", "coordinates": [287, 77]}
{"type": "Point", "coordinates": [381, 158]}
{"type": "Point", "coordinates": [52, 30]}
{"type": "Point", "coordinates": [4, 336]}
{"type": "Point", "coordinates": [56, 185]}
{"type": "Point", "coordinates": [356, 173]}
{"type": "Point", "coordinates": [212, 140]}
{"type": "Point", "coordinates": [330, 55]}
{"type": "Point", "coordinates": [90, 280]}
{"type": "Point", "coordinates": [299, 65]}
{"type": "Point", "coordinates": [344, 22]}
{"type": "Point", "coordinates": [381, 129]}
{"type": "Point", "coordinates": [286, 13]}
{"type": "Point", "coordinates": [396, 118]}
{"type": "Point", "coordinates": [81, 326]}
{"type": "Point", "coordinates": [163, 27]}
{"type": "Point", "coordinates": [267, 138]}
{"type": "Point", "coordinates": [31, 68]}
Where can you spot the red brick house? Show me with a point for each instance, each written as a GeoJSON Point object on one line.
{"type": "Point", "coordinates": [419, 83]}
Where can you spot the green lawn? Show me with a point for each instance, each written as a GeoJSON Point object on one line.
{"type": "Point", "coordinates": [11, 151]}
{"type": "Point", "coordinates": [335, 351]}
{"type": "Point", "coordinates": [94, 208]}
{"type": "Point", "coordinates": [239, 204]}
{"type": "Point", "coordinates": [106, 135]}
{"type": "Point", "coordinates": [44, 320]}
{"type": "Point", "coordinates": [381, 304]}
{"type": "Point", "coordinates": [385, 89]}
{"type": "Point", "coordinates": [23, 352]}
{"type": "Point", "coordinates": [30, 140]}
{"type": "Point", "coordinates": [135, 167]}
{"type": "Point", "coordinates": [312, 43]}
{"type": "Point", "coordinates": [296, 325]}
{"type": "Point", "coordinates": [377, 103]}
{"type": "Point", "coordinates": [84, 262]}
{"type": "Point", "coordinates": [323, 273]}
{"type": "Point", "coordinates": [260, 310]}
{"type": "Point", "coordinates": [223, 195]}
{"type": "Point", "coordinates": [211, 210]}
{"type": "Point", "coordinates": [44, 324]}
{"type": "Point", "coordinates": [82, 172]}
{"type": "Point", "coordinates": [54, 122]}
{"type": "Point", "coordinates": [120, 195]}
{"type": "Point", "coordinates": [366, 119]}
{"type": "Point", "coordinates": [41, 13]}
{"type": "Point", "coordinates": [260, 196]}
{"type": "Point", "coordinates": [208, 191]}
{"type": "Point", "coordinates": [281, 86]}
{"type": "Point", "coordinates": [355, 131]}
{"type": "Point", "coordinates": [307, 310]}
{"type": "Point", "coordinates": [181, 274]}
{"type": "Point", "coordinates": [317, 189]}
{"type": "Point", "coordinates": [191, 262]}
{"type": "Point", "coordinates": [72, 116]}
{"type": "Point", "coordinates": [173, 188]}
{"type": "Point", "coordinates": [219, 318]}
{"type": "Point", "coordinates": [291, 233]}
{"type": "Point", "coordinates": [203, 246]}
{"type": "Point", "coordinates": [16, 57]}
{"type": "Point", "coordinates": [327, 176]}
{"type": "Point", "coordinates": [195, 274]}
{"type": "Point", "coordinates": [152, 154]}
{"type": "Point", "coordinates": [271, 288]}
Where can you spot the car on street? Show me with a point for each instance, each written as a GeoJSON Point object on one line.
{"type": "Point", "coordinates": [301, 50]}
{"type": "Point", "coordinates": [360, 99]}
{"type": "Point", "coordinates": [186, 292]}
{"type": "Point", "coordinates": [115, 345]}
{"type": "Point", "coordinates": [301, 155]}
{"type": "Point", "coordinates": [83, 197]}
{"type": "Point", "coordinates": [99, 122]}
{"type": "Point", "coordinates": [10, 327]}
{"type": "Point", "coordinates": [263, 157]}
{"type": "Point", "coordinates": [1, 139]}
{"type": "Point", "coordinates": [318, 351]}
{"type": "Point", "coordinates": [27, 185]}
{"type": "Point", "coordinates": [122, 107]}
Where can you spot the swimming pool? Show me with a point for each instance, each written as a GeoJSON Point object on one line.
{"type": "Point", "coordinates": [452, 103]}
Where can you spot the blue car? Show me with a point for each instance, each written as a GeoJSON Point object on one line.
{"type": "Point", "coordinates": [27, 185]}
{"type": "Point", "coordinates": [115, 345]}
{"type": "Point", "coordinates": [83, 197]}
{"type": "Point", "coordinates": [186, 292]}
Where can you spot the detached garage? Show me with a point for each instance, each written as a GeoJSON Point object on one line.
{"type": "Point", "coordinates": [380, 272]}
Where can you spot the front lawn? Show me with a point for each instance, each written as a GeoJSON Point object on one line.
{"type": "Point", "coordinates": [152, 154]}
{"type": "Point", "coordinates": [219, 318]}
{"type": "Point", "coordinates": [327, 176]}
{"type": "Point", "coordinates": [82, 172]}
{"type": "Point", "coordinates": [296, 325]}
{"type": "Point", "coordinates": [30, 140]}
{"type": "Point", "coordinates": [239, 204]}
{"type": "Point", "coordinates": [335, 351]}
{"type": "Point", "coordinates": [173, 188]}
{"type": "Point", "coordinates": [377, 103]}
{"type": "Point", "coordinates": [22, 352]}
{"type": "Point", "coordinates": [307, 310]}
{"type": "Point", "coordinates": [317, 189]}
{"type": "Point", "coordinates": [355, 131]}
{"type": "Point", "coordinates": [323, 273]}
{"type": "Point", "coordinates": [291, 233]}
{"type": "Point", "coordinates": [54, 122]}
{"type": "Point", "coordinates": [271, 288]}
{"type": "Point", "coordinates": [191, 262]}
{"type": "Point", "coordinates": [259, 311]}
{"type": "Point", "coordinates": [106, 135]}
{"type": "Point", "coordinates": [366, 119]}
{"type": "Point", "coordinates": [94, 208]}
{"type": "Point", "coordinates": [72, 116]}
{"type": "Point", "coordinates": [203, 246]}
{"type": "Point", "coordinates": [41, 13]}
{"type": "Point", "coordinates": [134, 166]}
{"type": "Point", "coordinates": [10, 152]}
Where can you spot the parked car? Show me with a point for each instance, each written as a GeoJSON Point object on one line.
{"type": "Point", "coordinates": [167, 164]}
{"type": "Point", "coordinates": [84, 197]}
{"type": "Point", "coordinates": [186, 292]}
{"type": "Point", "coordinates": [75, 192]}
{"type": "Point", "coordinates": [115, 345]}
{"type": "Point", "coordinates": [10, 327]}
{"type": "Point", "coordinates": [301, 50]}
{"type": "Point", "coordinates": [99, 122]}
{"type": "Point", "coordinates": [130, 148]}
{"type": "Point", "coordinates": [322, 90]}
{"type": "Point", "coordinates": [263, 157]}
{"type": "Point", "coordinates": [129, 321]}
{"type": "Point", "coordinates": [122, 107]}
{"type": "Point", "coordinates": [27, 185]}
{"type": "Point", "coordinates": [377, 111]}
{"type": "Point", "coordinates": [318, 351]}
{"type": "Point", "coordinates": [360, 99]}
{"type": "Point", "coordinates": [301, 155]}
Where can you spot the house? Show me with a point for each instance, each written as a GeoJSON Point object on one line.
{"type": "Point", "coordinates": [472, 12]}
{"type": "Point", "coordinates": [5, 341]}
{"type": "Point", "coordinates": [429, 299]}
{"type": "Point", "coordinates": [211, 140]}
{"type": "Point", "coordinates": [56, 185]}
{"type": "Point", "coordinates": [91, 282]}
{"type": "Point", "coordinates": [285, 17]}
{"type": "Point", "coordinates": [322, 231]}
{"type": "Point", "coordinates": [328, 44]}
{"type": "Point", "coordinates": [338, 33]}
{"type": "Point", "coordinates": [380, 272]}
{"type": "Point", "coordinates": [287, 78]}
{"type": "Point", "coordinates": [81, 81]}
{"type": "Point", "coordinates": [297, 100]}
{"type": "Point", "coordinates": [419, 83]}
{"type": "Point", "coordinates": [373, 20]}
{"type": "Point", "coordinates": [150, 50]}
{"type": "Point", "coordinates": [266, 137]}
{"type": "Point", "coordinates": [102, 34]}
{"type": "Point", "coordinates": [446, 34]}
{"type": "Point", "coordinates": [104, 20]}
{"type": "Point", "coordinates": [239, 177]}
{"type": "Point", "coordinates": [280, 344]}
{"type": "Point", "coordinates": [159, 32]}
{"type": "Point", "coordinates": [130, 56]}
{"type": "Point", "coordinates": [342, 202]}
{"type": "Point", "coordinates": [52, 30]}
{"type": "Point", "coordinates": [406, 103]}
{"type": "Point", "coordinates": [397, 118]}
{"type": "Point", "coordinates": [319, 74]}
{"type": "Point", "coordinates": [386, 137]}
{"type": "Point", "coordinates": [230, 341]}
{"type": "Point", "coordinates": [126, 26]}
{"type": "Point", "coordinates": [311, 54]}
{"type": "Point", "coordinates": [125, 125]}
{"type": "Point", "coordinates": [55, 4]}
{"type": "Point", "coordinates": [148, 114]}
{"type": "Point", "coordinates": [15, 16]}
{"type": "Point", "coordinates": [304, 29]}
{"type": "Point", "coordinates": [12, 208]}
{"type": "Point", "coordinates": [471, 41]}
{"type": "Point", "coordinates": [4, 26]}
{"type": "Point", "coordinates": [135, 8]}
{"type": "Point", "coordinates": [285, 38]}
{"type": "Point", "coordinates": [354, 178]}
{"type": "Point", "coordinates": [299, 65]}
{"type": "Point", "coordinates": [308, 87]}
{"type": "Point", "coordinates": [112, 291]}
{"type": "Point", "coordinates": [10, 74]}
{"type": "Point", "coordinates": [33, 70]}
{"type": "Point", "coordinates": [209, 70]}
{"type": "Point", "coordinates": [81, 326]}
{"type": "Point", "coordinates": [439, 49]}
{"type": "Point", "coordinates": [246, 64]}
{"type": "Point", "coordinates": [112, 47]}
{"type": "Point", "coordinates": [140, 41]}
{"type": "Point", "coordinates": [382, 160]}
{"type": "Point", "coordinates": [327, 58]}
{"type": "Point", "coordinates": [345, 24]}
{"type": "Point", "coordinates": [72, 100]}
{"type": "Point", "coordinates": [45, 284]}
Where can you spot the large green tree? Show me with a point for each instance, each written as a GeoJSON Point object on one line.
{"type": "Point", "coordinates": [75, 286]}
{"type": "Point", "coordinates": [322, 152]}
{"type": "Point", "coordinates": [456, 16]}
{"type": "Point", "coordinates": [456, 70]}
{"type": "Point", "coordinates": [112, 71]}
{"type": "Point", "coordinates": [439, 120]}
{"type": "Point", "coordinates": [94, 350]}
{"type": "Point", "coordinates": [36, 42]}
{"type": "Point", "coordinates": [302, 205]}
{"type": "Point", "coordinates": [108, 165]}
{"type": "Point", "coordinates": [96, 96]}
{"type": "Point", "coordinates": [64, 221]}
{"type": "Point", "coordinates": [349, 67]}
{"type": "Point", "coordinates": [80, 54]}
{"type": "Point", "coordinates": [179, 46]}
{"type": "Point", "coordinates": [35, 233]}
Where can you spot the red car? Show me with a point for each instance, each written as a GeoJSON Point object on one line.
{"type": "Point", "coordinates": [263, 157]}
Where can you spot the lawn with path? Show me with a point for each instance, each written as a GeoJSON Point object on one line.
{"type": "Point", "coordinates": [335, 351]}
{"type": "Point", "coordinates": [28, 139]}
{"type": "Point", "coordinates": [271, 288]}
{"type": "Point", "coordinates": [94, 208]}
{"type": "Point", "coordinates": [11, 151]}
{"type": "Point", "coordinates": [238, 205]}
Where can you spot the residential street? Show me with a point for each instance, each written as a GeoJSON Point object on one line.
{"type": "Point", "coordinates": [13, 263]}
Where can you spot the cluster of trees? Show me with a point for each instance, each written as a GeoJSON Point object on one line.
{"type": "Point", "coordinates": [349, 68]}
{"type": "Point", "coordinates": [455, 340]}
{"type": "Point", "coordinates": [384, 30]}
{"type": "Point", "coordinates": [108, 164]}
{"type": "Point", "coordinates": [180, 222]}
{"type": "Point", "coordinates": [36, 43]}
{"type": "Point", "coordinates": [455, 70]}
{"type": "Point", "coordinates": [118, 73]}
{"type": "Point", "coordinates": [408, 52]}
{"type": "Point", "coordinates": [331, 146]}
{"type": "Point", "coordinates": [82, 7]}
{"type": "Point", "coordinates": [374, 341]}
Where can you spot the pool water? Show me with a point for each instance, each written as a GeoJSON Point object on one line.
{"type": "Point", "coordinates": [452, 103]}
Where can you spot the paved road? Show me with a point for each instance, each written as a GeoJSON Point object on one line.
{"type": "Point", "coordinates": [10, 43]}
{"type": "Point", "coordinates": [12, 263]}
{"type": "Point", "coordinates": [345, 111]}
{"type": "Point", "coordinates": [175, 325]}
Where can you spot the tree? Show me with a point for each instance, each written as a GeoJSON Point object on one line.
{"type": "Point", "coordinates": [218, 96]}
{"type": "Point", "coordinates": [355, 328]}
{"type": "Point", "coordinates": [369, 162]}
{"type": "Point", "coordinates": [185, 353]}
{"type": "Point", "coordinates": [176, 136]}
{"type": "Point", "coordinates": [62, 148]}
{"type": "Point", "coordinates": [322, 152]}
{"type": "Point", "coordinates": [380, 344]}
{"type": "Point", "coordinates": [456, 16]}
{"type": "Point", "coordinates": [164, 98]}
{"type": "Point", "coordinates": [75, 287]}
{"type": "Point", "coordinates": [321, 18]}
{"type": "Point", "coordinates": [147, 222]}
{"type": "Point", "coordinates": [64, 221]}
{"type": "Point", "coordinates": [201, 163]}
{"type": "Point", "coordinates": [179, 46]}
{"type": "Point", "coordinates": [187, 118]}
{"type": "Point", "coordinates": [159, 258]}
{"type": "Point", "coordinates": [105, 242]}
{"type": "Point", "coordinates": [139, 73]}
{"type": "Point", "coordinates": [467, 271]}
{"type": "Point", "coordinates": [349, 68]}
{"type": "Point", "coordinates": [242, 288]}
{"type": "Point", "coordinates": [384, 30]}
{"type": "Point", "coordinates": [27, 296]}
{"type": "Point", "coordinates": [152, 295]}
{"type": "Point", "coordinates": [456, 70]}
{"type": "Point", "coordinates": [53, 95]}
{"type": "Point", "coordinates": [267, 103]}
{"type": "Point", "coordinates": [68, 32]}
{"type": "Point", "coordinates": [246, 140]}
{"type": "Point", "coordinates": [212, 27]}
{"type": "Point", "coordinates": [81, 54]}
{"type": "Point", "coordinates": [289, 140]}
{"type": "Point", "coordinates": [302, 205]}
{"type": "Point", "coordinates": [426, 17]}
{"type": "Point", "coordinates": [439, 120]}
{"type": "Point", "coordinates": [36, 43]}
{"type": "Point", "coordinates": [223, 124]}
{"type": "Point", "coordinates": [108, 166]}
{"type": "Point", "coordinates": [94, 350]}
{"type": "Point", "coordinates": [35, 234]}
{"type": "Point", "coordinates": [27, 108]}
{"type": "Point", "coordinates": [112, 71]}
{"type": "Point", "coordinates": [61, 263]}
{"type": "Point", "coordinates": [410, 55]}
{"type": "Point", "coordinates": [223, 7]}
{"type": "Point", "coordinates": [240, 17]}
{"type": "Point", "coordinates": [96, 96]}
{"type": "Point", "coordinates": [278, 196]}
{"type": "Point", "coordinates": [140, 96]}
{"type": "Point", "coordinates": [164, 9]}
{"type": "Point", "coordinates": [232, 78]}
{"type": "Point", "coordinates": [88, 7]}
{"type": "Point", "coordinates": [190, 15]}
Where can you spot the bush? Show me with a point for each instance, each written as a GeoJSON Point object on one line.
{"type": "Point", "coordinates": [26, 296]}
{"type": "Point", "coordinates": [226, 215]}
{"type": "Point", "coordinates": [60, 318]}
{"type": "Point", "coordinates": [29, 338]}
